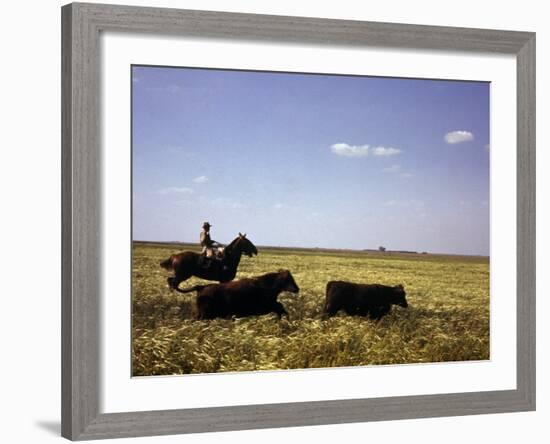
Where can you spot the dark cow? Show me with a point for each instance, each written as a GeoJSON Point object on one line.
{"type": "Point", "coordinates": [374, 300]}
{"type": "Point", "coordinates": [245, 297]}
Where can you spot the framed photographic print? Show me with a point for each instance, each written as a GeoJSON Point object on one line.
{"type": "Point", "coordinates": [278, 221]}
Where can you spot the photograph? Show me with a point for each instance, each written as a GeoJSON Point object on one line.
{"type": "Point", "coordinates": [272, 222]}
{"type": "Point", "coordinates": [302, 220]}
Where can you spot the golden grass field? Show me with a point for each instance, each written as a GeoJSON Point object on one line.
{"type": "Point", "coordinates": [447, 318]}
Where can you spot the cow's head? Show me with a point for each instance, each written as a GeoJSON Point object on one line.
{"type": "Point", "coordinates": [399, 296]}
{"type": "Point", "coordinates": [288, 282]}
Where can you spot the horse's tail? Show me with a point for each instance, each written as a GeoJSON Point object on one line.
{"type": "Point", "coordinates": [168, 264]}
{"type": "Point", "coordinates": [190, 289]}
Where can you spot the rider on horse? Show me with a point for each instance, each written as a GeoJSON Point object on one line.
{"type": "Point", "coordinates": [207, 245]}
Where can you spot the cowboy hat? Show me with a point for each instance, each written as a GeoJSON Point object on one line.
{"type": "Point", "coordinates": [206, 224]}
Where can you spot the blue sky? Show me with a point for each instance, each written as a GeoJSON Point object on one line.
{"type": "Point", "coordinates": [311, 160]}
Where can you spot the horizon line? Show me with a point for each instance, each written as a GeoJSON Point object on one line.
{"type": "Point", "coordinates": [358, 250]}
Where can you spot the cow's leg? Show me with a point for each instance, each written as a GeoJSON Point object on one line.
{"type": "Point", "coordinates": [207, 308]}
{"type": "Point", "coordinates": [330, 310]}
{"type": "Point", "coordinates": [351, 311]}
{"type": "Point", "coordinates": [206, 312]}
{"type": "Point", "coordinates": [279, 309]}
{"type": "Point", "coordinates": [361, 311]}
{"type": "Point", "coordinates": [374, 313]}
{"type": "Point", "coordinates": [207, 315]}
{"type": "Point", "coordinates": [378, 312]}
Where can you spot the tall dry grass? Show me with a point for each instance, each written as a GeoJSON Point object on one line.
{"type": "Point", "coordinates": [447, 318]}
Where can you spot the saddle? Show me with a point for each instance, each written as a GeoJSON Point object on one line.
{"type": "Point", "coordinates": [210, 256]}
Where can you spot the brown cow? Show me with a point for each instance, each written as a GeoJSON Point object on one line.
{"type": "Point", "coordinates": [374, 300]}
{"type": "Point", "coordinates": [245, 297]}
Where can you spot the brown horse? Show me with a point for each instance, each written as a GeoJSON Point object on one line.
{"type": "Point", "coordinates": [188, 263]}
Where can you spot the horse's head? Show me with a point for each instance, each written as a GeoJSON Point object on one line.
{"type": "Point", "coordinates": [243, 245]}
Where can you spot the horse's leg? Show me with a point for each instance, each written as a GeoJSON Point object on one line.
{"type": "Point", "coordinates": [180, 276]}
{"type": "Point", "coordinates": [173, 282]}
{"type": "Point", "coordinates": [178, 280]}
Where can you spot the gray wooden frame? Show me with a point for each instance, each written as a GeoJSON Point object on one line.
{"type": "Point", "coordinates": [81, 168]}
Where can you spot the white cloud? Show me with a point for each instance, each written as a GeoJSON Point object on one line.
{"type": "Point", "coordinates": [343, 149]}
{"type": "Point", "coordinates": [178, 190]}
{"type": "Point", "coordinates": [459, 136]}
{"type": "Point", "coordinates": [201, 179]}
{"type": "Point", "coordinates": [383, 151]}
{"type": "Point", "coordinates": [278, 206]}
{"type": "Point", "coordinates": [406, 175]}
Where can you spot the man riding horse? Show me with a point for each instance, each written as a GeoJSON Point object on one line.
{"type": "Point", "coordinates": [208, 245]}
{"type": "Point", "coordinates": [189, 263]}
